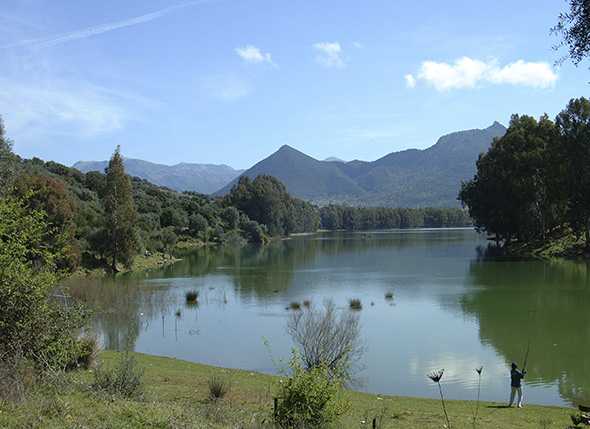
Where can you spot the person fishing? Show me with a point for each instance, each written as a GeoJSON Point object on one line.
{"type": "Point", "coordinates": [516, 377]}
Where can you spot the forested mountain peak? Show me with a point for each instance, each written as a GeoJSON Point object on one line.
{"type": "Point", "coordinates": [408, 178]}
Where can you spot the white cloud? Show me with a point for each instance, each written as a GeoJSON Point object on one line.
{"type": "Point", "coordinates": [358, 45]}
{"type": "Point", "coordinates": [523, 73]}
{"type": "Point", "coordinates": [46, 42]}
{"type": "Point", "coordinates": [329, 54]}
{"type": "Point", "coordinates": [466, 72]}
{"type": "Point", "coordinates": [410, 81]}
{"type": "Point", "coordinates": [252, 54]}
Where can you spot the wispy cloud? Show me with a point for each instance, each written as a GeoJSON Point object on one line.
{"type": "Point", "coordinates": [410, 81]}
{"type": "Point", "coordinates": [466, 73]}
{"type": "Point", "coordinates": [227, 87]}
{"type": "Point", "coordinates": [57, 107]}
{"type": "Point", "coordinates": [329, 54]}
{"type": "Point", "coordinates": [46, 42]}
{"type": "Point", "coordinates": [252, 54]}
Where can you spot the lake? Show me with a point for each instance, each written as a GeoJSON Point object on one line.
{"type": "Point", "coordinates": [454, 307]}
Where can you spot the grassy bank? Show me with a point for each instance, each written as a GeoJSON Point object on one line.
{"type": "Point", "coordinates": [176, 396]}
{"type": "Point", "coordinates": [565, 245]}
{"type": "Point", "coordinates": [140, 263]}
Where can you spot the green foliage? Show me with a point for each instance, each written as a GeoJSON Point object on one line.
{"type": "Point", "coordinates": [309, 398]}
{"type": "Point", "coordinates": [198, 224]}
{"type": "Point", "coordinates": [51, 196]}
{"type": "Point", "coordinates": [32, 324]}
{"type": "Point", "coordinates": [169, 239]}
{"type": "Point", "coordinates": [254, 232]}
{"type": "Point", "coordinates": [535, 179]}
{"type": "Point", "coordinates": [266, 201]}
{"type": "Point", "coordinates": [573, 156]}
{"type": "Point", "coordinates": [334, 217]}
{"type": "Point", "coordinates": [174, 217]}
{"type": "Point", "coordinates": [231, 216]}
{"type": "Point", "coordinates": [120, 213]}
{"type": "Point", "coordinates": [86, 353]}
{"type": "Point", "coordinates": [8, 162]}
{"type": "Point", "coordinates": [124, 379]}
{"type": "Point", "coordinates": [574, 26]}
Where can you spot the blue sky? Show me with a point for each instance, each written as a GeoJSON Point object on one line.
{"type": "Point", "coordinates": [230, 81]}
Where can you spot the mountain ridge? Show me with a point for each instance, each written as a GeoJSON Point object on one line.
{"type": "Point", "coordinates": [184, 176]}
{"type": "Point", "coordinates": [407, 178]}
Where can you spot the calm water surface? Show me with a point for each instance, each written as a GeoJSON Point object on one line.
{"type": "Point", "coordinates": [454, 308]}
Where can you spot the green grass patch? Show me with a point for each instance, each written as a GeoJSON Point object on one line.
{"type": "Point", "coordinates": [176, 394]}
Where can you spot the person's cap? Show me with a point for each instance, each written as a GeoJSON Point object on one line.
{"type": "Point", "coordinates": [514, 365]}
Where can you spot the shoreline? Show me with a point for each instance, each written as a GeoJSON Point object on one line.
{"type": "Point", "coordinates": [176, 395]}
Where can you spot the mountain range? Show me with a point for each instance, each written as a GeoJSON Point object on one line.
{"type": "Point", "coordinates": [409, 178]}
{"type": "Point", "coordinates": [202, 178]}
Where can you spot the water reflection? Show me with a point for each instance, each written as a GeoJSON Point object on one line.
{"type": "Point", "coordinates": [545, 303]}
{"type": "Point", "coordinates": [455, 307]}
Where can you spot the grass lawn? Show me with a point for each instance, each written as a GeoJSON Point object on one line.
{"type": "Point", "coordinates": [176, 396]}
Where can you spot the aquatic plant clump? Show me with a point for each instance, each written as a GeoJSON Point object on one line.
{"type": "Point", "coordinates": [192, 297]}
{"type": "Point", "coordinates": [355, 304]}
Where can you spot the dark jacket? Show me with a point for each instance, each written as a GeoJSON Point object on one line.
{"type": "Point", "coordinates": [516, 377]}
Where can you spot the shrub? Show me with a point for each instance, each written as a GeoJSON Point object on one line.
{"type": "Point", "coordinates": [326, 337]}
{"type": "Point", "coordinates": [389, 296]}
{"type": "Point", "coordinates": [295, 305]}
{"type": "Point", "coordinates": [309, 398]}
{"type": "Point", "coordinates": [307, 303]}
{"type": "Point", "coordinates": [32, 323]}
{"type": "Point", "coordinates": [218, 387]}
{"type": "Point", "coordinates": [125, 379]}
{"type": "Point", "coordinates": [86, 353]}
{"type": "Point", "coordinates": [355, 304]}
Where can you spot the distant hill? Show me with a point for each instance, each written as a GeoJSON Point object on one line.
{"type": "Point", "coordinates": [203, 178]}
{"type": "Point", "coordinates": [410, 178]}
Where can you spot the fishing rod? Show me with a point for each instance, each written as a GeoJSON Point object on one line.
{"type": "Point", "coordinates": [526, 355]}
{"type": "Point", "coordinates": [528, 346]}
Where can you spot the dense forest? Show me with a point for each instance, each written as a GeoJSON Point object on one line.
{"type": "Point", "coordinates": [335, 217]}
{"type": "Point", "coordinates": [109, 218]}
{"type": "Point", "coordinates": [534, 183]}
{"type": "Point", "coordinates": [104, 220]}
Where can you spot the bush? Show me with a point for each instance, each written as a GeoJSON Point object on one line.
{"type": "Point", "coordinates": [309, 398]}
{"type": "Point", "coordinates": [125, 379]}
{"type": "Point", "coordinates": [218, 388]}
{"type": "Point", "coordinates": [327, 337]}
{"type": "Point", "coordinates": [86, 352]}
{"type": "Point", "coordinates": [32, 323]}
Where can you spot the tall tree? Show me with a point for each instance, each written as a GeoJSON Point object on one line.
{"type": "Point", "coordinates": [120, 213]}
{"type": "Point", "coordinates": [574, 128]}
{"type": "Point", "coordinates": [509, 196]}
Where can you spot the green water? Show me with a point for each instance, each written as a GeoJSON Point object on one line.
{"type": "Point", "coordinates": [453, 308]}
